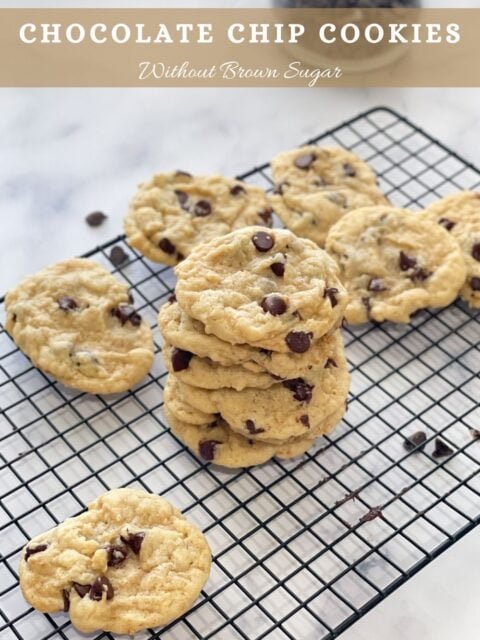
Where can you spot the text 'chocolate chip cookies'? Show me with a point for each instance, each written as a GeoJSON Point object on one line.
{"type": "Point", "coordinates": [130, 562]}
{"type": "Point", "coordinates": [253, 347]}
{"type": "Point", "coordinates": [76, 322]}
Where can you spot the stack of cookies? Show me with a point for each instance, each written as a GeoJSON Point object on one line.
{"type": "Point", "coordinates": [253, 347]}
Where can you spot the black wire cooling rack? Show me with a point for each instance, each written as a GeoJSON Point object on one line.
{"type": "Point", "coordinates": [301, 548]}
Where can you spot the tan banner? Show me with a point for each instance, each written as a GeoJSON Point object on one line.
{"type": "Point", "coordinates": [239, 48]}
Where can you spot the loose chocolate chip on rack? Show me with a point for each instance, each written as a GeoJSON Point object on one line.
{"type": "Point", "coordinates": [302, 391]}
{"type": "Point", "coordinates": [330, 363]}
{"type": "Point", "coordinates": [116, 554]}
{"type": "Point", "coordinates": [476, 251]}
{"type": "Point", "coordinates": [237, 189]}
{"type": "Point", "coordinates": [126, 313]}
{"type": "Point", "coordinates": [415, 442]}
{"type": "Point", "coordinates": [375, 512]}
{"type": "Point", "coordinates": [182, 197]}
{"type": "Point", "coordinates": [82, 589]}
{"type": "Point", "coordinates": [266, 216]}
{"type": "Point", "coordinates": [475, 283]}
{"type": "Point", "coordinates": [305, 420]}
{"type": "Point", "coordinates": [95, 219]}
{"type": "Point", "coordinates": [180, 359]}
{"type": "Point", "coordinates": [118, 256]}
{"type": "Point", "coordinates": [275, 305]}
{"type": "Point", "coordinates": [278, 269]}
{"type": "Point", "coordinates": [66, 599]}
{"type": "Point", "coordinates": [304, 161]}
{"type": "Point", "coordinates": [99, 587]}
{"type": "Point", "coordinates": [441, 449]}
{"type": "Point", "coordinates": [134, 541]}
{"type": "Point", "coordinates": [67, 304]}
{"type": "Point", "coordinates": [252, 428]}
{"type": "Point", "coordinates": [30, 551]}
{"type": "Point", "coordinates": [420, 274]}
{"type": "Point", "coordinates": [446, 223]}
{"type": "Point", "coordinates": [349, 170]}
{"type": "Point", "coordinates": [207, 449]}
{"type": "Point", "coordinates": [330, 294]}
{"type": "Point", "coordinates": [405, 262]}
{"type": "Point", "coordinates": [202, 208]}
{"type": "Point", "coordinates": [166, 246]}
{"type": "Point", "coordinates": [262, 241]}
{"type": "Point", "coordinates": [376, 284]}
{"type": "Point", "coordinates": [298, 341]}
{"type": "Point", "coordinates": [475, 433]}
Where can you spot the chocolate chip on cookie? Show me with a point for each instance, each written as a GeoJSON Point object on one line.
{"type": "Point", "coordinates": [266, 216]}
{"type": "Point", "coordinates": [476, 251]}
{"type": "Point", "coordinates": [349, 170]}
{"type": "Point", "coordinates": [126, 313]}
{"type": "Point", "coordinates": [166, 246]}
{"type": "Point", "coordinates": [330, 293]}
{"type": "Point", "coordinates": [475, 283]}
{"type": "Point", "coordinates": [263, 241]}
{"type": "Point", "coordinates": [183, 174]}
{"type": "Point", "coordinates": [180, 359]}
{"type": "Point", "coordinates": [278, 269]}
{"type": "Point", "coordinates": [252, 428]}
{"type": "Point", "coordinates": [101, 585]}
{"type": "Point", "coordinates": [81, 589]}
{"type": "Point", "coordinates": [304, 161]}
{"type": "Point", "coordinates": [116, 554]}
{"type": "Point", "coordinates": [207, 449]}
{"type": "Point", "coordinates": [376, 285]}
{"type": "Point", "coordinates": [406, 262]}
{"type": "Point", "coordinates": [298, 341]}
{"type": "Point", "coordinates": [421, 274]}
{"type": "Point", "coordinates": [67, 304]}
{"type": "Point", "coordinates": [330, 363]}
{"type": "Point", "coordinates": [134, 541]}
{"type": "Point", "coordinates": [304, 419]}
{"type": "Point", "coordinates": [302, 391]}
{"type": "Point", "coordinates": [30, 551]}
{"type": "Point", "coordinates": [446, 223]}
{"type": "Point", "coordinates": [66, 600]}
{"type": "Point", "coordinates": [182, 197]}
{"type": "Point", "coordinates": [237, 189]}
{"type": "Point", "coordinates": [202, 208]}
{"type": "Point", "coordinates": [275, 305]}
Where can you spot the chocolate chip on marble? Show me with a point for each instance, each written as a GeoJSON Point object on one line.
{"type": "Point", "coordinates": [116, 554]}
{"type": "Point", "coordinates": [330, 294]}
{"type": "Point", "coordinates": [118, 256]}
{"type": "Point", "coordinates": [134, 541]}
{"type": "Point", "coordinates": [101, 585]}
{"type": "Point", "coordinates": [376, 285]}
{"type": "Point", "coordinates": [420, 274]}
{"type": "Point", "coordinates": [237, 189]}
{"type": "Point", "coordinates": [202, 208]}
{"type": "Point", "coordinates": [166, 246]}
{"type": "Point", "coordinates": [441, 449]}
{"type": "Point", "coordinates": [278, 269]}
{"type": "Point", "coordinates": [330, 363]}
{"type": "Point", "coordinates": [298, 341]}
{"type": "Point", "coordinates": [446, 223]}
{"type": "Point", "coordinates": [95, 219]}
{"type": "Point", "coordinates": [66, 599]}
{"type": "Point", "coordinates": [262, 241]}
{"type": "Point", "coordinates": [349, 170]}
{"type": "Point", "coordinates": [30, 551]}
{"type": "Point", "coordinates": [302, 391]}
{"type": "Point", "coordinates": [304, 161]}
{"type": "Point", "coordinates": [252, 428]}
{"type": "Point", "coordinates": [415, 442]}
{"type": "Point", "coordinates": [126, 313]}
{"type": "Point", "coordinates": [476, 251]}
{"type": "Point", "coordinates": [475, 283]}
{"type": "Point", "coordinates": [406, 262]}
{"type": "Point", "coordinates": [275, 305]}
{"type": "Point", "coordinates": [82, 589]}
{"type": "Point", "coordinates": [266, 216]}
{"type": "Point", "coordinates": [305, 420]}
{"type": "Point", "coordinates": [180, 359]}
{"type": "Point", "coordinates": [67, 304]}
{"type": "Point", "coordinates": [207, 449]}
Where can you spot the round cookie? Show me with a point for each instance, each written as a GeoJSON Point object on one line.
{"type": "Point", "coordinates": [76, 322]}
{"type": "Point", "coordinates": [181, 410]}
{"type": "Point", "coordinates": [459, 214]}
{"type": "Point", "coordinates": [287, 409]}
{"type": "Point", "coordinates": [179, 329]}
{"type": "Point", "coordinates": [173, 212]}
{"type": "Point", "coordinates": [315, 186]}
{"type": "Point", "coordinates": [394, 262]}
{"type": "Point", "coordinates": [269, 289]}
{"type": "Point", "coordinates": [130, 562]}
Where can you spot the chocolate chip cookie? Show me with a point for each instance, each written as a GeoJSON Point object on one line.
{"type": "Point", "coordinates": [77, 322]}
{"type": "Point", "coordinates": [130, 562]}
{"type": "Point", "coordinates": [394, 262]}
{"type": "Point", "coordinates": [269, 289]}
{"type": "Point", "coordinates": [459, 214]}
{"type": "Point", "coordinates": [315, 186]}
{"type": "Point", "coordinates": [173, 212]}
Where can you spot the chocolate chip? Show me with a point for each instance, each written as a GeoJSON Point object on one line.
{"type": "Point", "coordinates": [166, 246]}
{"type": "Point", "coordinates": [30, 551]}
{"type": "Point", "coordinates": [446, 223]}
{"type": "Point", "coordinates": [116, 554]}
{"type": "Point", "coordinates": [172, 298]}
{"type": "Point", "coordinates": [280, 187]}
{"type": "Point", "coordinates": [263, 241]}
{"type": "Point", "coordinates": [207, 449]}
{"type": "Point", "coordinates": [251, 428]}
{"type": "Point", "coordinates": [367, 304]}
{"type": "Point", "coordinates": [266, 216]}
{"type": "Point", "coordinates": [330, 363]}
{"type": "Point", "coordinates": [330, 294]}
{"type": "Point", "coordinates": [475, 283]}
{"type": "Point", "coordinates": [405, 262]}
{"type": "Point", "coordinates": [278, 268]}
{"type": "Point", "coordinates": [99, 587]}
{"type": "Point", "coordinates": [302, 391]}
{"type": "Point", "coordinates": [134, 541]}
{"type": "Point", "coordinates": [441, 449]}
{"type": "Point", "coordinates": [376, 284]}
{"type": "Point", "coordinates": [304, 161]}
{"type": "Point", "coordinates": [182, 197]}
{"type": "Point", "coordinates": [475, 433]}
{"type": "Point", "coordinates": [305, 420]}
{"type": "Point", "coordinates": [131, 299]}
{"type": "Point", "coordinates": [416, 441]}
{"type": "Point", "coordinates": [180, 256]}
{"type": "Point", "coordinates": [476, 251]}
{"type": "Point", "coordinates": [118, 256]}
{"type": "Point", "coordinates": [349, 170]}
{"type": "Point", "coordinates": [180, 359]}
{"type": "Point", "coordinates": [67, 304]}
{"type": "Point", "coordinates": [275, 305]}
{"type": "Point", "coordinates": [202, 208]}
{"type": "Point", "coordinates": [420, 274]}
{"type": "Point", "coordinates": [95, 219]}
{"type": "Point", "coordinates": [375, 512]}
{"type": "Point", "coordinates": [82, 589]}
{"type": "Point", "coordinates": [183, 173]}
{"type": "Point", "coordinates": [126, 313]}
{"type": "Point", "coordinates": [66, 599]}
{"type": "Point", "coordinates": [298, 341]}
{"type": "Point", "coordinates": [237, 189]}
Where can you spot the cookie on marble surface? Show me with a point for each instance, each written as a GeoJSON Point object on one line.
{"type": "Point", "coordinates": [173, 212]}
{"type": "Point", "coordinates": [269, 289]}
{"type": "Point", "coordinates": [459, 214]}
{"type": "Point", "coordinates": [316, 186]}
{"type": "Point", "coordinates": [130, 562]}
{"type": "Point", "coordinates": [76, 322]}
{"type": "Point", "coordinates": [394, 262]}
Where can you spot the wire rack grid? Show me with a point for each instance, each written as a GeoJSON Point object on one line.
{"type": "Point", "coordinates": [301, 548]}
